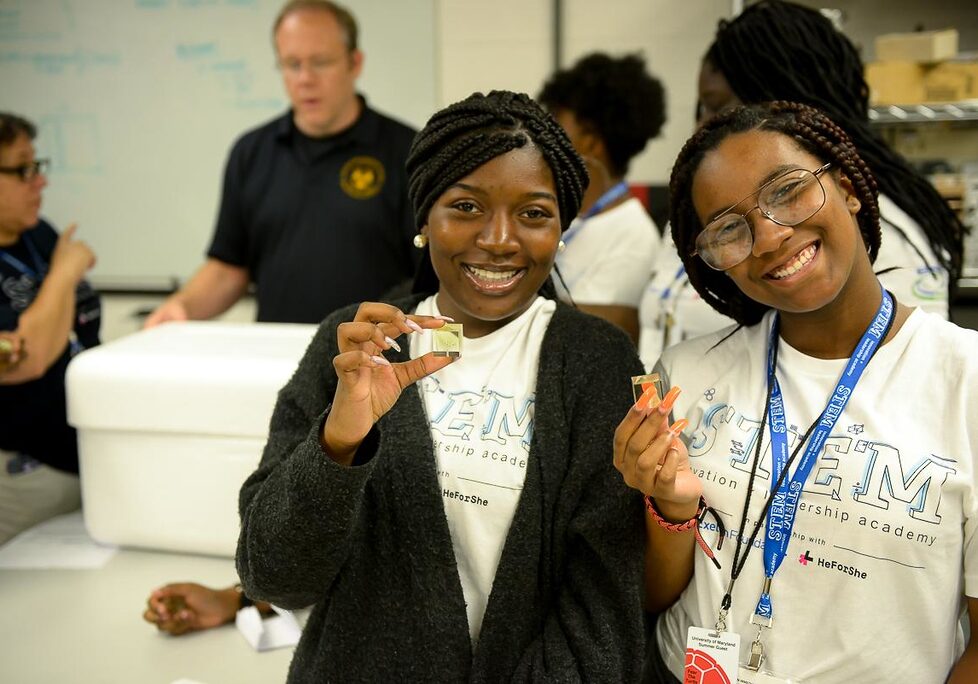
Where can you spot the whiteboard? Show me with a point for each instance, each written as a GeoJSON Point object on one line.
{"type": "Point", "coordinates": [138, 102]}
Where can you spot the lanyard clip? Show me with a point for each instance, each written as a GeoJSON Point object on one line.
{"type": "Point", "coordinates": [756, 657]}
{"type": "Point", "coordinates": [721, 625]}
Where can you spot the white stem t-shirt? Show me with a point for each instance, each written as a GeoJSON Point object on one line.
{"type": "Point", "coordinates": [480, 409]}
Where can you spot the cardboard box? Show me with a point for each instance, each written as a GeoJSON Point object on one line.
{"type": "Point", "coordinates": [170, 423]}
{"type": "Point", "coordinates": [899, 83]}
{"type": "Point", "coordinates": [922, 46]}
{"type": "Point", "coordinates": [951, 82]}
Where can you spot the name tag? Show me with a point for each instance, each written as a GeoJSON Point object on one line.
{"type": "Point", "coordinates": [711, 656]}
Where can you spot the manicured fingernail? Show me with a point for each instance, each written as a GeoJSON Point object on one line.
{"type": "Point", "coordinates": [677, 427]}
{"type": "Point", "coordinates": [394, 345]}
{"type": "Point", "coordinates": [411, 324]}
{"type": "Point", "coordinates": [380, 360]}
{"type": "Point", "coordinates": [643, 401]}
{"type": "Point", "coordinates": [669, 400]}
{"type": "Point", "coordinates": [444, 318]}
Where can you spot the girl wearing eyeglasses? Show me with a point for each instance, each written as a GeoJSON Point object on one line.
{"type": "Point", "coordinates": [777, 50]}
{"type": "Point", "coordinates": [830, 432]}
{"type": "Point", "coordinates": [50, 313]}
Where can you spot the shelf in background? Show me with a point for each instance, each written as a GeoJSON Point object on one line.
{"type": "Point", "coordinates": [968, 286]}
{"type": "Point", "coordinates": [924, 113]}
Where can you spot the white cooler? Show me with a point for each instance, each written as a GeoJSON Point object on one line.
{"type": "Point", "coordinates": [170, 423]}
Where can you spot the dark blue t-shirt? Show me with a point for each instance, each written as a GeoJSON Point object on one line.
{"type": "Point", "coordinates": [32, 414]}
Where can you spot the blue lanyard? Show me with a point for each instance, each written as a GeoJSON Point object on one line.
{"type": "Point", "coordinates": [37, 274]}
{"type": "Point", "coordinates": [615, 192]}
{"type": "Point", "coordinates": [785, 498]}
{"type": "Point", "coordinates": [680, 272]}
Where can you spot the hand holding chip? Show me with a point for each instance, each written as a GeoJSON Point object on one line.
{"type": "Point", "coordinates": [368, 384]}
{"type": "Point", "coordinates": [650, 455]}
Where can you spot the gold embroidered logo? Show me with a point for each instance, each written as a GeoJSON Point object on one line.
{"type": "Point", "coordinates": [362, 177]}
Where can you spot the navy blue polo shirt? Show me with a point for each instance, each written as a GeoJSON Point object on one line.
{"type": "Point", "coordinates": [318, 222]}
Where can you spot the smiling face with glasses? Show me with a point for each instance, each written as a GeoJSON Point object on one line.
{"type": "Point", "coordinates": [21, 181]}
{"type": "Point", "coordinates": [779, 223]}
{"type": "Point", "coordinates": [319, 71]}
{"type": "Point", "coordinates": [788, 199]}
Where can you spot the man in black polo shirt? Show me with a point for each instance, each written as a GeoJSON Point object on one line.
{"type": "Point", "coordinates": [314, 207]}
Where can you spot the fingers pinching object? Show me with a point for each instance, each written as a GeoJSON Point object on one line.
{"type": "Point", "coordinates": [447, 340]}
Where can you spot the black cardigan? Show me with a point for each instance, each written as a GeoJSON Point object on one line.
{"type": "Point", "coordinates": [369, 545]}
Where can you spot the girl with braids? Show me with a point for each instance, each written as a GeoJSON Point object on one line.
{"type": "Point", "coordinates": [778, 50]}
{"type": "Point", "coordinates": [458, 519]}
{"type": "Point", "coordinates": [834, 426]}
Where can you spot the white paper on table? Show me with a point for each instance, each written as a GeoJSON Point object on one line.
{"type": "Point", "coordinates": [274, 632]}
{"type": "Point", "coordinates": [59, 543]}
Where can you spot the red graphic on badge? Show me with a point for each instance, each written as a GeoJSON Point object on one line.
{"type": "Point", "coordinates": [701, 668]}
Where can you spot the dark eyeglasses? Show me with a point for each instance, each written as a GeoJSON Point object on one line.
{"type": "Point", "coordinates": [789, 199]}
{"type": "Point", "coordinates": [28, 171]}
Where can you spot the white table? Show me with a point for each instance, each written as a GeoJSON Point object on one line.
{"type": "Point", "coordinates": [82, 626]}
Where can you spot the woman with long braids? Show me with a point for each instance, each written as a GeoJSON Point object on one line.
{"type": "Point", "coordinates": [833, 428]}
{"type": "Point", "coordinates": [457, 519]}
{"type": "Point", "coordinates": [777, 50]}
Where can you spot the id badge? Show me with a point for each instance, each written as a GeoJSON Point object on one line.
{"type": "Point", "coordinates": [745, 676]}
{"type": "Point", "coordinates": [711, 656]}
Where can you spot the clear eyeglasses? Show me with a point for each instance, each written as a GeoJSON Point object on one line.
{"type": "Point", "coordinates": [28, 171]}
{"type": "Point", "coordinates": [787, 200]}
{"type": "Point", "coordinates": [317, 65]}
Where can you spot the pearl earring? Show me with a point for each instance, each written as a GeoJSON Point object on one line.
{"type": "Point", "coordinates": [561, 246]}
{"type": "Point", "coordinates": [420, 240]}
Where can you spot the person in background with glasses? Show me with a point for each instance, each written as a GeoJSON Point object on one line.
{"type": "Point", "coordinates": [314, 209]}
{"type": "Point", "coordinates": [49, 313]}
{"type": "Point", "coordinates": [832, 430]}
{"type": "Point", "coordinates": [778, 50]}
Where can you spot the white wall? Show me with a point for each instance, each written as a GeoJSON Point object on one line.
{"type": "Point", "coordinates": [508, 44]}
{"type": "Point", "coordinates": [672, 36]}
{"type": "Point", "coordinates": [505, 44]}
{"type": "Point", "coordinates": [138, 102]}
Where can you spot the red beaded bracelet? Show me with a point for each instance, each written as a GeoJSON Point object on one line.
{"type": "Point", "coordinates": [691, 524]}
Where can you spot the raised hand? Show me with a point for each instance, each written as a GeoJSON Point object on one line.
{"type": "Point", "coordinates": [72, 257]}
{"type": "Point", "coordinates": [368, 384]}
{"type": "Point", "coordinates": [652, 458]}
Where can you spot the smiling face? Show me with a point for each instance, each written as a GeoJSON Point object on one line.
{"type": "Point", "coordinates": [795, 269]}
{"type": "Point", "coordinates": [493, 237]}
{"type": "Point", "coordinates": [319, 71]}
{"type": "Point", "coordinates": [20, 201]}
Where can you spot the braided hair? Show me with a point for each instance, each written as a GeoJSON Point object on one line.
{"type": "Point", "coordinates": [810, 130]}
{"type": "Point", "coordinates": [616, 97]}
{"type": "Point", "coordinates": [462, 137]}
{"type": "Point", "coordinates": [777, 50]}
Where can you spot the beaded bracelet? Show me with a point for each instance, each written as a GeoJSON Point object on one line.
{"type": "Point", "coordinates": [691, 524]}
